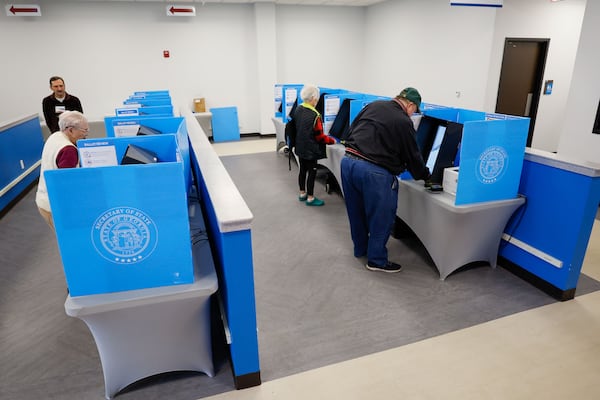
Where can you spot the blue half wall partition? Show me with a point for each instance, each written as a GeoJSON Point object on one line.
{"type": "Point", "coordinates": [21, 144]}
{"type": "Point", "coordinates": [228, 224]}
{"type": "Point", "coordinates": [548, 237]}
{"type": "Point", "coordinates": [130, 226]}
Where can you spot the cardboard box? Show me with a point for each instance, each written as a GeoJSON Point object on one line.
{"type": "Point", "coordinates": [450, 181]}
{"type": "Point", "coordinates": [199, 105]}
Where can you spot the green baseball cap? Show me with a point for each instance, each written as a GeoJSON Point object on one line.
{"type": "Point", "coordinates": [412, 95]}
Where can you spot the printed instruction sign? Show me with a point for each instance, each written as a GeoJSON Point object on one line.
{"type": "Point", "coordinates": [98, 154]}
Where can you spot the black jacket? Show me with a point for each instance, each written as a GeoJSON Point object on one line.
{"type": "Point", "coordinates": [307, 146]}
{"type": "Point", "coordinates": [49, 103]}
{"type": "Point", "coordinates": [384, 134]}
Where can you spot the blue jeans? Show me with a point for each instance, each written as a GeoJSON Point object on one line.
{"type": "Point", "coordinates": [371, 196]}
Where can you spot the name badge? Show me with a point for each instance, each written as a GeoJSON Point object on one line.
{"type": "Point", "coordinates": [59, 109]}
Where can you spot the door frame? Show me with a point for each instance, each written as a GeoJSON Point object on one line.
{"type": "Point", "coordinates": [539, 73]}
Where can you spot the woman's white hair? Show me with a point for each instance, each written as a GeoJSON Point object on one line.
{"type": "Point", "coordinates": [309, 92]}
{"type": "Point", "coordinates": [70, 119]}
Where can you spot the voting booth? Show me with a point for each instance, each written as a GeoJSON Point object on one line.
{"type": "Point", "coordinates": [151, 103]}
{"type": "Point", "coordinates": [129, 110]}
{"type": "Point", "coordinates": [135, 249]}
{"type": "Point", "coordinates": [484, 152]}
{"type": "Point", "coordinates": [336, 108]}
{"type": "Point", "coordinates": [285, 98]}
{"type": "Point", "coordinates": [152, 125]}
{"type": "Point", "coordinates": [122, 227]}
{"type": "Point", "coordinates": [342, 108]}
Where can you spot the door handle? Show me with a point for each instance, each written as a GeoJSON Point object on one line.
{"type": "Point", "coordinates": [528, 104]}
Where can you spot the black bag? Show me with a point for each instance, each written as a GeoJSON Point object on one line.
{"type": "Point", "coordinates": [290, 140]}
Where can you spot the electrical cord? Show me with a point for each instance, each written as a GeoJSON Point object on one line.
{"type": "Point", "coordinates": [198, 235]}
{"type": "Point", "coordinates": [519, 218]}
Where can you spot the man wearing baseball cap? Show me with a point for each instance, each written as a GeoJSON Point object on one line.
{"type": "Point", "coordinates": [380, 146]}
{"type": "Point", "coordinates": [413, 96]}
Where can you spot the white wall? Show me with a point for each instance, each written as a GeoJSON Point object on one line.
{"type": "Point", "coordinates": [432, 46]}
{"type": "Point", "coordinates": [577, 139]}
{"type": "Point", "coordinates": [541, 19]}
{"type": "Point", "coordinates": [321, 45]}
{"type": "Point", "coordinates": [266, 55]}
{"type": "Point", "coordinates": [231, 54]}
{"type": "Point", "coordinates": [105, 51]}
{"type": "Point", "coordinates": [442, 50]}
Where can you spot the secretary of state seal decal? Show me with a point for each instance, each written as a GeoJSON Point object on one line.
{"type": "Point", "coordinates": [124, 235]}
{"type": "Point", "coordinates": [492, 164]}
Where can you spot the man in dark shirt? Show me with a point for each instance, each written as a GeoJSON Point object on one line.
{"type": "Point", "coordinates": [381, 145]}
{"type": "Point", "coordinates": [58, 102]}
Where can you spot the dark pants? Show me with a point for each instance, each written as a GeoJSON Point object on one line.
{"type": "Point", "coordinates": [307, 168]}
{"type": "Point", "coordinates": [371, 196]}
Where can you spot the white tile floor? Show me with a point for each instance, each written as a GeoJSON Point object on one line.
{"type": "Point", "coordinates": [245, 146]}
{"type": "Point", "coordinates": [552, 352]}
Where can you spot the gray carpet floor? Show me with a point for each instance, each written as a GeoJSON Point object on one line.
{"type": "Point", "coordinates": [316, 303]}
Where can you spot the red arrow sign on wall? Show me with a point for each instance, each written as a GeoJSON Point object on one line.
{"type": "Point", "coordinates": [23, 9]}
{"type": "Point", "coordinates": [15, 10]}
{"type": "Point", "coordinates": [180, 10]}
{"type": "Point", "coordinates": [176, 10]}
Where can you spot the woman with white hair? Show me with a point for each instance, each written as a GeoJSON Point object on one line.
{"type": "Point", "coordinates": [310, 143]}
{"type": "Point", "coordinates": [60, 152]}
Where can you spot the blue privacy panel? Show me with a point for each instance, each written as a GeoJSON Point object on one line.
{"type": "Point", "coordinates": [469, 115]}
{"type": "Point", "coordinates": [446, 113]}
{"type": "Point", "coordinates": [156, 110]}
{"type": "Point", "coordinates": [331, 113]}
{"type": "Point", "coordinates": [154, 96]}
{"type": "Point", "coordinates": [277, 101]}
{"type": "Point", "coordinates": [149, 101]}
{"type": "Point", "coordinates": [289, 95]}
{"type": "Point", "coordinates": [162, 124]}
{"type": "Point", "coordinates": [165, 146]}
{"type": "Point", "coordinates": [491, 160]}
{"type": "Point", "coordinates": [151, 93]}
{"type": "Point", "coordinates": [225, 126]}
{"type": "Point", "coordinates": [122, 227]}
{"type": "Point", "coordinates": [357, 105]}
{"type": "Point", "coordinates": [127, 126]}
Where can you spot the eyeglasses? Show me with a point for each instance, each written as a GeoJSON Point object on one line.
{"type": "Point", "coordinates": [86, 130]}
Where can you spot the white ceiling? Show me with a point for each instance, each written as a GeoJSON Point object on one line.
{"type": "Point", "coordinates": [356, 3]}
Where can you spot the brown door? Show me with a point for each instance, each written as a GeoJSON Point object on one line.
{"type": "Point", "coordinates": [521, 78]}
